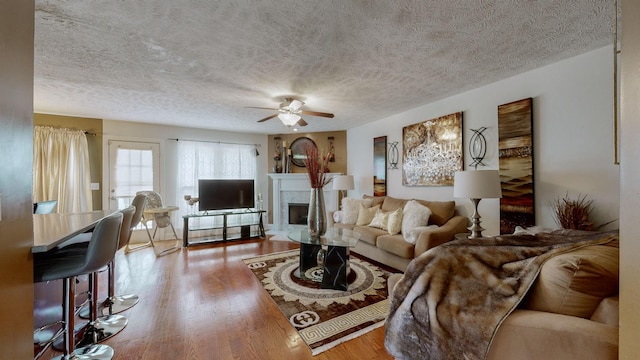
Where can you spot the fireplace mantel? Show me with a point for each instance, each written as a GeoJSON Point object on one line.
{"type": "Point", "coordinates": [296, 188]}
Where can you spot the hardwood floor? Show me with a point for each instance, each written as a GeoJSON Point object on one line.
{"type": "Point", "coordinates": [204, 303]}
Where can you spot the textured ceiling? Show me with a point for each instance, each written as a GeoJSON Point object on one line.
{"type": "Point", "coordinates": [199, 63]}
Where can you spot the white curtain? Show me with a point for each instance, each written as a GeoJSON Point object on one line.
{"type": "Point", "coordinates": [206, 160]}
{"type": "Point", "coordinates": [61, 168]}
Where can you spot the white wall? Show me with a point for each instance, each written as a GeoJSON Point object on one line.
{"type": "Point", "coordinates": [630, 186]}
{"type": "Point", "coordinates": [573, 141]}
{"type": "Point", "coordinates": [121, 130]}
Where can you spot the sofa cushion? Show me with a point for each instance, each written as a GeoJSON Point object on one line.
{"type": "Point", "coordinates": [607, 311]}
{"type": "Point", "coordinates": [366, 214]}
{"type": "Point", "coordinates": [441, 211]}
{"type": "Point", "coordinates": [576, 282]}
{"type": "Point", "coordinates": [396, 245]}
{"type": "Point", "coordinates": [375, 200]}
{"type": "Point", "coordinates": [351, 209]}
{"type": "Point", "coordinates": [391, 204]}
{"type": "Point", "coordinates": [344, 226]}
{"type": "Point", "coordinates": [369, 234]}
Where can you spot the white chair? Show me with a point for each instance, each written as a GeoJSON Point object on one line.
{"type": "Point", "coordinates": [156, 212]}
{"type": "Point", "coordinates": [115, 304]}
{"type": "Point", "coordinates": [140, 201]}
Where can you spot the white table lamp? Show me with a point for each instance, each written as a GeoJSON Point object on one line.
{"type": "Point", "coordinates": [343, 183]}
{"type": "Point", "coordinates": [477, 185]}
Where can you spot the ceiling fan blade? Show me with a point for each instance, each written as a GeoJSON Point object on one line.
{"type": "Point", "coordinates": [317, 113]}
{"type": "Point", "coordinates": [263, 108]}
{"type": "Point", "coordinates": [301, 122]}
{"type": "Point", "coordinates": [268, 118]}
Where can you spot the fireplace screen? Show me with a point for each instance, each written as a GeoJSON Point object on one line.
{"type": "Point", "coordinates": [298, 214]}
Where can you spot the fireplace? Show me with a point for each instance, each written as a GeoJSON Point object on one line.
{"type": "Point", "coordinates": [293, 188]}
{"type": "Point", "coordinates": [298, 213]}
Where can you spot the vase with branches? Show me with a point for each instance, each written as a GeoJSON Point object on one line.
{"type": "Point", "coordinates": [575, 213]}
{"type": "Point", "coordinates": [317, 170]}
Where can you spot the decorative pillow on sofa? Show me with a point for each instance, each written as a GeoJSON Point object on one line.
{"type": "Point", "coordinates": [394, 225]}
{"type": "Point", "coordinates": [351, 208]}
{"type": "Point", "coordinates": [380, 220]}
{"type": "Point", "coordinates": [574, 283]}
{"type": "Point", "coordinates": [414, 215]}
{"type": "Point", "coordinates": [366, 214]}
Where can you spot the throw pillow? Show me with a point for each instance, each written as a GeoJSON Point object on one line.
{"type": "Point", "coordinates": [411, 235]}
{"type": "Point", "coordinates": [366, 214]}
{"type": "Point", "coordinates": [350, 209]}
{"type": "Point", "coordinates": [414, 215]}
{"type": "Point", "coordinates": [394, 226]}
{"type": "Point", "coordinates": [380, 220]}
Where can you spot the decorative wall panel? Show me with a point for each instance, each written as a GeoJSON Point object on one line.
{"type": "Point", "coordinates": [515, 122]}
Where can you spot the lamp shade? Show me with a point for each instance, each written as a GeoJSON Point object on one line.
{"type": "Point", "coordinates": [343, 182]}
{"type": "Point", "coordinates": [477, 184]}
{"type": "Point", "coordinates": [289, 119]}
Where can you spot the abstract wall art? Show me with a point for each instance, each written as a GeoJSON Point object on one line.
{"type": "Point", "coordinates": [515, 146]}
{"type": "Point", "coordinates": [432, 151]}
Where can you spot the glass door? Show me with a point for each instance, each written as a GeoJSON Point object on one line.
{"type": "Point", "coordinates": [133, 167]}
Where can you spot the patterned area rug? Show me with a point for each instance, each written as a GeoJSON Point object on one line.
{"type": "Point", "coordinates": [324, 318]}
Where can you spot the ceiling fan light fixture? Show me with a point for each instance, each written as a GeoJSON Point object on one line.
{"type": "Point", "coordinates": [289, 119]}
{"type": "Point", "coordinates": [295, 105]}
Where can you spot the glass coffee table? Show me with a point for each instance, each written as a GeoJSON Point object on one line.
{"type": "Point", "coordinates": [334, 263]}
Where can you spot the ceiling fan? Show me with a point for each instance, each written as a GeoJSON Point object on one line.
{"type": "Point", "coordinates": [290, 111]}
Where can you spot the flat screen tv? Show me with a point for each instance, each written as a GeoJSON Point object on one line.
{"type": "Point", "coordinates": [216, 194]}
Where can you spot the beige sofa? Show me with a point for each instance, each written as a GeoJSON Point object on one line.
{"type": "Point", "coordinates": [393, 250]}
{"type": "Point", "coordinates": [570, 312]}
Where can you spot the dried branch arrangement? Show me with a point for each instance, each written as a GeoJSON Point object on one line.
{"type": "Point", "coordinates": [317, 166]}
{"type": "Point", "coordinates": [573, 214]}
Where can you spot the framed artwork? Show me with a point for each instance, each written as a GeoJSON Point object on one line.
{"type": "Point", "coordinates": [432, 151]}
{"type": "Point", "coordinates": [515, 147]}
{"type": "Point", "coordinates": [380, 166]}
{"type": "Point", "coordinates": [297, 150]}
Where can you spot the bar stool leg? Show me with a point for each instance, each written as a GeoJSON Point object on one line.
{"type": "Point", "coordinates": [115, 304]}
{"type": "Point", "coordinates": [91, 352]}
{"type": "Point", "coordinates": [104, 327]}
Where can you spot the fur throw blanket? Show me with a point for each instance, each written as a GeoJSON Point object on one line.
{"type": "Point", "coordinates": [452, 298]}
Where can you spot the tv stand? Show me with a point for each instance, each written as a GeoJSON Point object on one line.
{"type": "Point", "coordinates": [249, 221]}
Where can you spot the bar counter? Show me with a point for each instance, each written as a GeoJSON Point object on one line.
{"type": "Point", "coordinates": [50, 230]}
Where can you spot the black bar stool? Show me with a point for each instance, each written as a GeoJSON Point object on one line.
{"type": "Point", "coordinates": [108, 325]}
{"type": "Point", "coordinates": [67, 265]}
